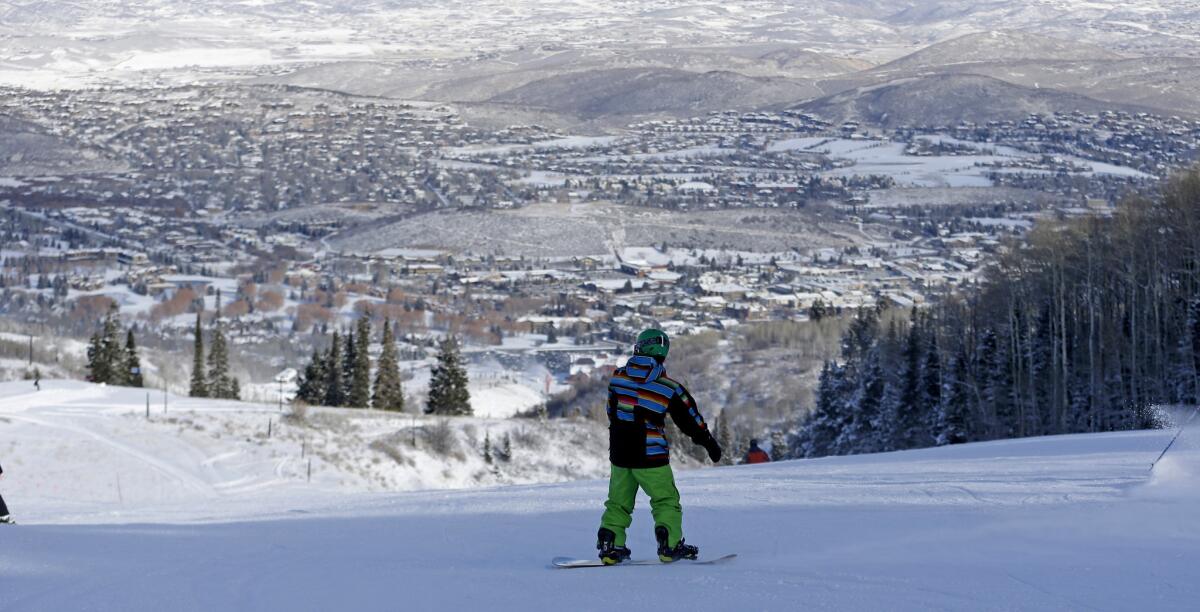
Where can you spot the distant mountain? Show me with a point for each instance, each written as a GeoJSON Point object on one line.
{"type": "Point", "coordinates": [948, 99]}
{"type": "Point", "coordinates": [1171, 85]}
{"type": "Point", "coordinates": [624, 92]}
{"type": "Point", "coordinates": [45, 12]}
{"type": "Point", "coordinates": [611, 58]}
{"type": "Point", "coordinates": [995, 47]}
{"type": "Point", "coordinates": [1166, 84]}
{"type": "Point", "coordinates": [485, 79]}
{"type": "Point", "coordinates": [792, 61]}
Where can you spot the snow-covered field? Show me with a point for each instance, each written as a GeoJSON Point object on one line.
{"type": "Point", "coordinates": [77, 452]}
{"type": "Point", "coordinates": [873, 157]}
{"type": "Point", "coordinates": [1065, 523]}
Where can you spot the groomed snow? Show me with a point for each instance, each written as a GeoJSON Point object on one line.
{"type": "Point", "coordinates": [1060, 523]}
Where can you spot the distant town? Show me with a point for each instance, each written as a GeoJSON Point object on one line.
{"type": "Point", "coordinates": [161, 200]}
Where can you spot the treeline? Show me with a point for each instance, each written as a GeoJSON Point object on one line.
{"type": "Point", "coordinates": [342, 374]}
{"type": "Point", "coordinates": [108, 360]}
{"type": "Point", "coordinates": [1084, 327]}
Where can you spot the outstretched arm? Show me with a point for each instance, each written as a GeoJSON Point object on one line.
{"type": "Point", "coordinates": [686, 414]}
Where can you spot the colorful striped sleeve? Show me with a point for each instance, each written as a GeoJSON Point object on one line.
{"type": "Point", "coordinates": [687, 416]}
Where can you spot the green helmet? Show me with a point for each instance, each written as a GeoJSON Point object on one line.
{"type": "Point", "coordinates": [652, 343]}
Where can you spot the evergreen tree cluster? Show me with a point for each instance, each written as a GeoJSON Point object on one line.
{"type": "Point", "coordinates": [108, 360]}
{"type": "Point", "coordinates": [886, 393]}
{"type": "Point", "coordinates": [493, 453]}
{"type": "Point", "coordinates": [341, 375]}
{"type": "Point", "coordinates": [1086, 327]}
{"type": "Point", "coordinates": [210, 375]}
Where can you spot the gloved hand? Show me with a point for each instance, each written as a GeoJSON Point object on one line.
{"type": "Point", "coordinates": [714, 450]}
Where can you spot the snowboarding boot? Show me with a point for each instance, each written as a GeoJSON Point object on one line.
{"type": "Point", "coordinates": [610, 553]}
{"type": "Point", "coordinates": [7, 520]}
{"type": "Point", "coordinates": [666, 554]}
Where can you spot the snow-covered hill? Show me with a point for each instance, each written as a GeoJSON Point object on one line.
{"type": "Point", "coordinates": [77, 452]}
{"type": "Point", "coordinates": [52, 44]}
{"type": "Point", "coordinates": [1066, 523]}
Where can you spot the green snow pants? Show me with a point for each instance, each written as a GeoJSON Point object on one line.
{"type": "Point", "coordinates": [659, 484]}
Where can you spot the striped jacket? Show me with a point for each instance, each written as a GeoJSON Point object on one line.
{"type": "Point", "coordinates": [640, 396]}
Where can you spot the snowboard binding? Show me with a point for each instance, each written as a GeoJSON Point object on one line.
{"type": "Point", "coordinates": [666, 554]}
{"type": "Point", "coordinates": [610, 553]}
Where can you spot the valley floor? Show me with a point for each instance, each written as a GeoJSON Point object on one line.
{"type": "Point", "coordinates": [1058, 523]}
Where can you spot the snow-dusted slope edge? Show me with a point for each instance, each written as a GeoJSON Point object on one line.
{"type": "Point", "coordinates": [1068, 523]}
{"type": "Point", "coordinates": [76, 452]}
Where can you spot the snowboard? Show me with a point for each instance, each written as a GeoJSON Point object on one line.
{"type": "Point", "coordinates": [569, 563]}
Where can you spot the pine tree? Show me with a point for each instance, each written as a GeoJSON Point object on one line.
{"type": "Point", "coordinates": [996, 387]}
{"type": "Point", "coordinates": [349, 347]}
{"type": "Point", "coordinates": [96, 367]}
{"type": "Point", "coordinates": [131, 364]}
{"type": "Point", "coordinates": [887, 422]}
{"type": "Point", "coordinates": [335, 391]}
{"type": "Point", "coordinates": [817, 310]}
{"type": "Point", "coordinates": [389, 391]}
{"type": "Point", "coordinates": [111, 351]}
{"type": "Point", "coordinates": [1042, 364]}
{"type": "Point", "coordinates": [311, 387]}
{"type": "Point", "coordinates": [954, 411]}
{"type": "Point", "coordinates": [448, 394]}
{"type": "Point", "coordinates": [349, 362]}
{"type": "Point", "coordinates": [360, 381]}
{"type": "Point", "coordinates": [860, 336]}
{"type": "Point", "coordinates": [506, 448]}
{"type": "Point", "coordinates": [219, 379]}
{"type": "Point", "coordinates": [931, 393]}
{"type": "Point", "coordinates": [551, 334]}
{"type": "Point", "coordinates": [887, 419]}
{"type": "Point", "coordinates": [199, 384]}
{"type": "Point", "coordinates": [821, 431]}
{"type": "Point", "coordinates": [104, 358]}
{"type": "Point", "coordinates": [487, 447]}
{"type": "Point", "coordinates": [860, 435]}
{"type": "Point", "coordinates": [909, 408]}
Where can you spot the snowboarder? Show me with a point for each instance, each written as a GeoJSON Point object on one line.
{"type": "Point", "coordinates": [640, 396]}
{"type": "Point", "coordinates": [5, 519]}
{"type": "Point", "coordinates": [756, 454]}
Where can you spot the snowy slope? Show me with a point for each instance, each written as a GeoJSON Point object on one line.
{"type": "Point", "coordinates": [77, 452]}
{"type": "Point", "coordinates": [1066, 523]}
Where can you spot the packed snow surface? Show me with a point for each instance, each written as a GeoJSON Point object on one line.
{"type": "Point", "coordinates": [1058, 523]}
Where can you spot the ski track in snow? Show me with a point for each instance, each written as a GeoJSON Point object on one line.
{"type": "Point", "coordinates": [164, 467]}
{"type": "Point", "coordinates": [1057, 523]}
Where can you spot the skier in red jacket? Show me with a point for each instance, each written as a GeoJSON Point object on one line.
{"type": "Point", "coordinates": [756, 454]}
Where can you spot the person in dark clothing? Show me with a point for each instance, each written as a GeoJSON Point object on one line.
{"type": "Point", "coordinates": [4, 516]}
{"type": "Point", "coordinates": [640, 396]}
{"type": "Point", "coordinates": [756, 454]}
